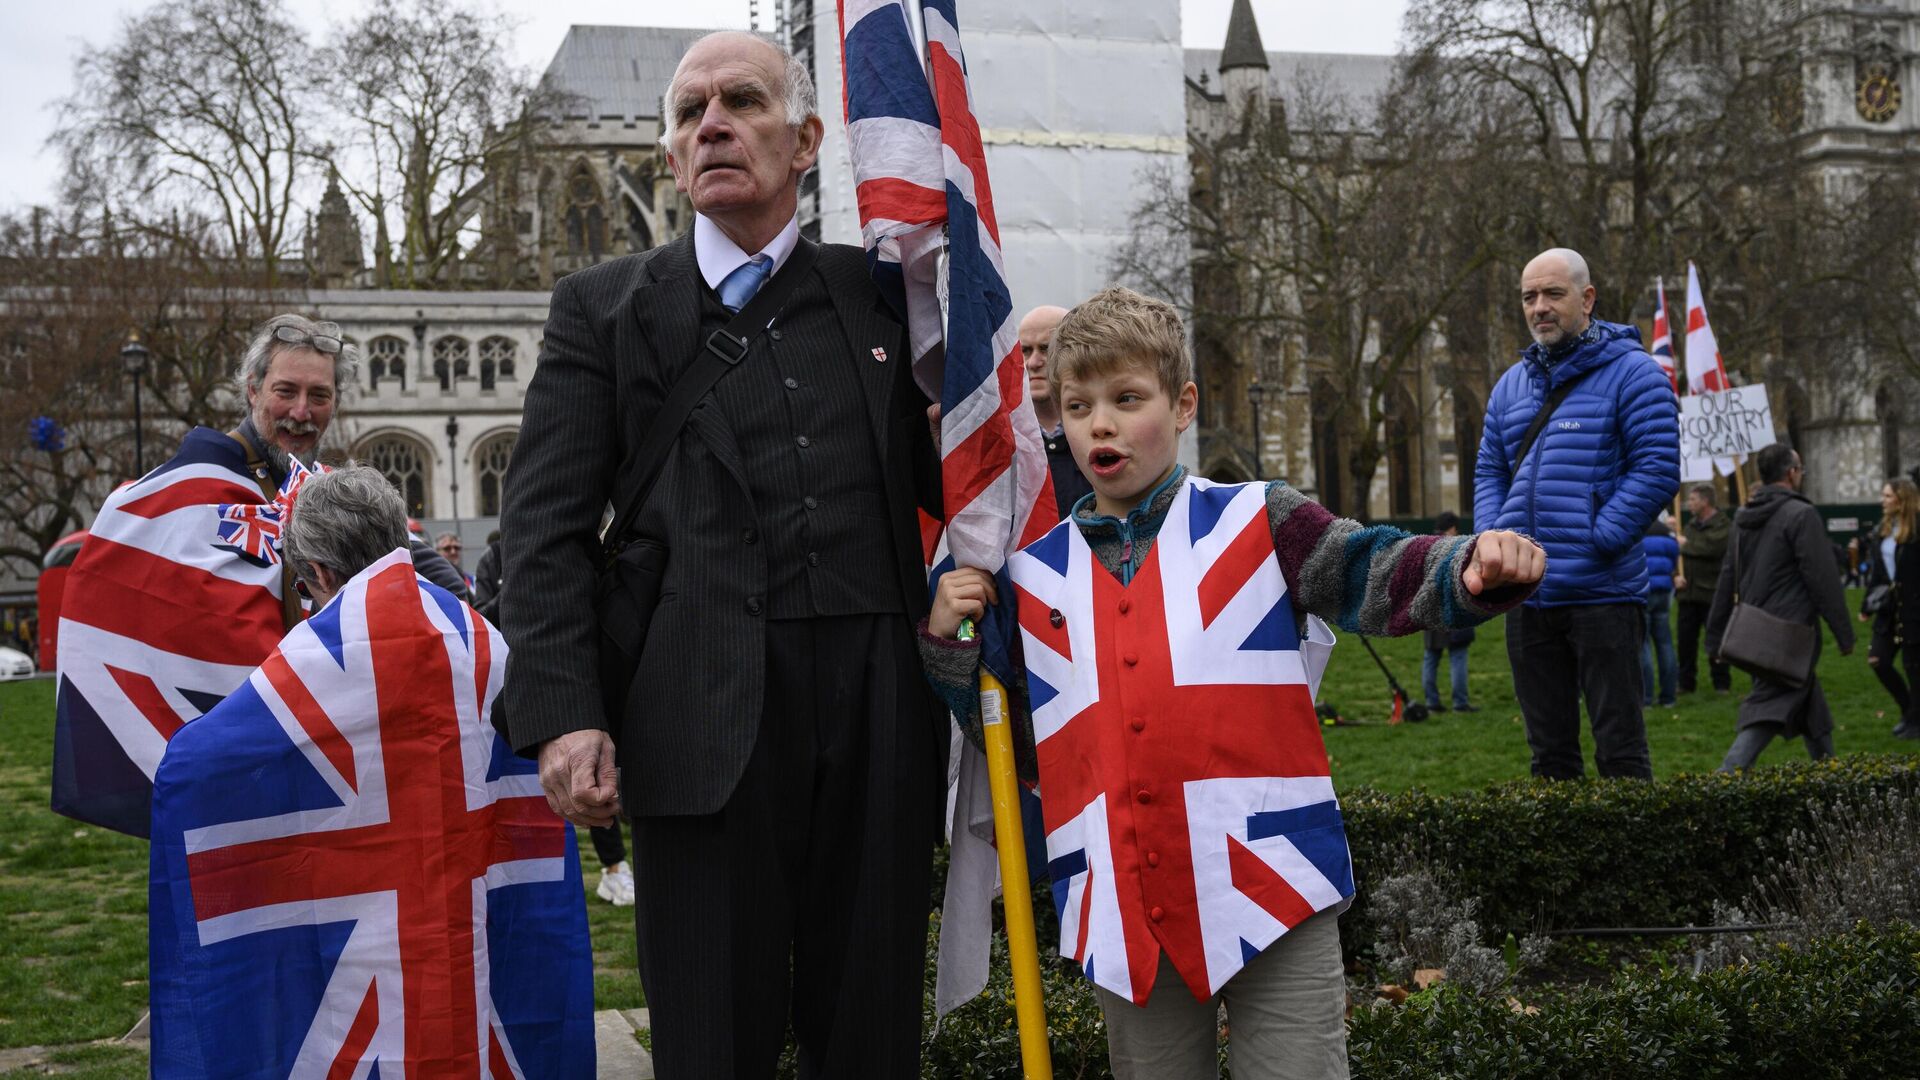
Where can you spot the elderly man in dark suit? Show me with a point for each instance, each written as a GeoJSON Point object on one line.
{"type": "Point", "coordinates": [779, 751]}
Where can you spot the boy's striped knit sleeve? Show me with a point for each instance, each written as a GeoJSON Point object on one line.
{"type": "Point", "coordinates": [1376, 579]}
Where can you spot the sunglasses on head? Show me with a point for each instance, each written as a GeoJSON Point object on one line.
{"type": "Point", "coordinates": [325, 343]}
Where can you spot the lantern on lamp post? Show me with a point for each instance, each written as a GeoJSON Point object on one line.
{"type": "Point", "coordinates": [134, 357]}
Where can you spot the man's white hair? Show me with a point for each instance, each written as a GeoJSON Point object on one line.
{"type": "Point", "coordinates": [796, 91]}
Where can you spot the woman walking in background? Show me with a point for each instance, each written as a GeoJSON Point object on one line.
{"type": "Point", "coordinates": [1895, 608]}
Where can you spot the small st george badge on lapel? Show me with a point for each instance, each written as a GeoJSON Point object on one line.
{"type": "Point", "coordinates": [880, 354]}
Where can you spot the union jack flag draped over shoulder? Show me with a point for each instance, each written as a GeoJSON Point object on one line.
{"type": "Point", "coordinates": [353, 875]}
{"type": "Point", "coordinates": [176, 595]}
{"type": "Point", "coordinates": [918, 164]}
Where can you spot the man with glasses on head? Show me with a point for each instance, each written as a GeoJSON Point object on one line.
{"type": "Point", "coordinates": [181, 583]}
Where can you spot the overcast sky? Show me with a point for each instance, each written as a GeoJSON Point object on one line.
{"type": "Point", "coordinates": [38, 42]}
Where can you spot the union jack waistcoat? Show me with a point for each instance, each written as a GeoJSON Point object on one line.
{"type": "Point", "coordinates": [1184, 783]}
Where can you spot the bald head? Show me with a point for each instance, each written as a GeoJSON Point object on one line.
{"type": "Point", "coordinates": [1036, 344]}
{"type": "Point", "coordinates": [1556, 292]}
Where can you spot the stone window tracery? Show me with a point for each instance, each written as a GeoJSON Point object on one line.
{"type": "Point", "coordinates": [450, 360]}
{"type": "Point", "coordinates": [386, 359]}
{"type": "Point", "coordinates": [496, 360]}
{"type": "Point", "coordinates": [405, 464]}
{"type": "Point", "coordinates": [490, 470]}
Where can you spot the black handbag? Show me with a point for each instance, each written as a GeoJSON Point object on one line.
{"type": "Point", "coordinates": [1764, 644]}
{"type": "Point", "coordinates": [631, 568]}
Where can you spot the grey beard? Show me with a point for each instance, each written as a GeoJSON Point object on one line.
{"type": "Point", "coordinates": [283, 459]}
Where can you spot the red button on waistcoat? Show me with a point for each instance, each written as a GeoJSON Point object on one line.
{"type": "Point", "coordinates": [1131, 658]}
{"type": "Point", "coordinates": [1153, 858]}
{"type": "Point", "coordinates": [1125, 604]}
{"type": "Point", "coordinates": [1143, 796]}
{"type": "Point", "coordinates": [1139, 723]}
{"type": "Point", "coordinates": [1157, 913]}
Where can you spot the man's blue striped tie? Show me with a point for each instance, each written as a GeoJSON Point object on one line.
{"type": "Point", "coordinates": [738, 287]}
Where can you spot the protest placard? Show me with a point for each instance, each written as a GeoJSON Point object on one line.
{"type": "Point", "coordinates": [1719, 428]}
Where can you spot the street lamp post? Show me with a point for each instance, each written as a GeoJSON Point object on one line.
{"type": "Point", "coordinates": [1255, 395]}
{"type": "Point", "coordinates": [133, 357]}
{"type": "Point", "coordinates": [453, 466]}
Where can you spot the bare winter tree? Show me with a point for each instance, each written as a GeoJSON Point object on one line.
{"type": "Point", "coordinates": [197, 108]}
{"type": "Point", "coordinates": [1347, 228]}
{"type": "Point", "coordinates": [72, 293]}
{"type": "Point", "coordinates": [428, 105]}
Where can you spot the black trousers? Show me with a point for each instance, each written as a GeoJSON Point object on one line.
{"type": "Point", "coordinates": [608, 846]}
{"type": "Point", "coordinates": [1691, 626]}
{"type": "Point", "coordinates": [1562, 654]}
{"type": "Point", "coordinates": [807, 896]}
{"type": "Point", "coordinates": [1882, 651]}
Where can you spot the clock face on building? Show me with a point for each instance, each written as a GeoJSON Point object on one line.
{"type": "Point", "coordinates": [1878, 98]}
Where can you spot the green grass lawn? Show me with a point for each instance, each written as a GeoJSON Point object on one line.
{"type": "Point", "coordinates": [73, 958]}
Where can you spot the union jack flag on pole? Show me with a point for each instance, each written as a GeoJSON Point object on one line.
{"type": "Point", "coordinates": [353, 874]}
{"type": "Point", "coordinates": [1663, 335]}
{"type": "Point", "coordinates": [927, 220]}
{"type": "Point", "coordinates": [163, 615]}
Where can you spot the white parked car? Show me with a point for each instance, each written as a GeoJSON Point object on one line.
{"type": "Point", "coordinates": [15, 664]}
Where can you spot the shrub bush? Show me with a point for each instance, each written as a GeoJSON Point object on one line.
{"type": "Point", "coordinates": [1603, 852]}
{"type": "Point", "coordinates": [1844, 1007]}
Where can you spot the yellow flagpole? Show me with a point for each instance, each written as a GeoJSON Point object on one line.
{"type": "Point", "coordinates": [1016, 892]}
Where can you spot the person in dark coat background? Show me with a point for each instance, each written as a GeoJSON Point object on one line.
{"type": "Point", "coordinates": [1702, 545]}
{"type": "Point", "coordinates": [1893, 557]}
{"type": "Point", "coordinates": [1662, 552]}
{"type": "Point", "coordinates": [1452, 642]}
{"type": "Point", "coordinates": [1787, 571]}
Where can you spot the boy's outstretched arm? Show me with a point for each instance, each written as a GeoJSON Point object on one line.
{"type": "Point", "coordinates": [1383, 581]}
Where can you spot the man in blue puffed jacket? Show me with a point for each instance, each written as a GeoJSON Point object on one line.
{"type": "Point", "coordinates": [1600, 469]}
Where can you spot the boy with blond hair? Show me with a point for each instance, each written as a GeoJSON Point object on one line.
{"type": "Point", "coordinates": [1193, 836]}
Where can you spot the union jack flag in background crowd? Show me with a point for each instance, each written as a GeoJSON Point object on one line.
{"type": "Point", "coordinates": [162, 616]}
{"type": "Point", "coordinates": [1663, 335]}
{"type": "Point", "coordinates": [353, 874]}
{"type": "Point", "coordinates": [918, 164]}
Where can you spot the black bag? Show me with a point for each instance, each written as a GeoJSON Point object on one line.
{"type": "Point", "coordinates": [1764, 644]}
{"type": "Point", "coordinates": [1876, 599]}
{"type": "Point", "coordinates": [1532, 434]}
{"type": "Point", "coordinates": [631, 568]}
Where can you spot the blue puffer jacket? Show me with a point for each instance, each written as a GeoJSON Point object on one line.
{"type": "Point", "coordinates": [1599, 472]}
{"type": "Point", "coordinates": [1663, 551]}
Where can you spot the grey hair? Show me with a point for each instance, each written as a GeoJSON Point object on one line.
{"type": "Point", "coordinates": [264, 347]}
{"type": "Point", "coordinates": [345, 520]}
{"type": "Point", "coordinates": [1577, 270]}
{"type": "Point", "coordinates": [801, 99]}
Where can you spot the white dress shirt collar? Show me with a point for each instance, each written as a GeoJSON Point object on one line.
{"type": "Point", "coordinates": [720, 256]}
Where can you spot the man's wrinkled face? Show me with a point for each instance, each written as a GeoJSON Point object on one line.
{"type": "Point", "coordinates": [294, 402]}
{"type": "Point", "coordinates": [732, 148]}
{"type": "Point", "coordinates": [1036, 344]}
{"type": "Point", "coordinates": [1556, 309]}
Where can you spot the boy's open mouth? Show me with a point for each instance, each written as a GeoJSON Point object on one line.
{"type": "Point", "coordinates": [1105, 462]}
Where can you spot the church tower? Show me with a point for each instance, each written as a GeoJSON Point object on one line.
{"type": "Point", "coordinates": [1243, 61]}
{"type": "Point", "coordinates": [334, 257]}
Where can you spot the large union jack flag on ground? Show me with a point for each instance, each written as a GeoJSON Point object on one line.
{"type": "Point", "coordinates": [353, 875]}
{"type": "Point", "coordinates": [919, 166]}
{"type": "Point", "coordinates": [161, 618]}
{"type": "Point", "coordinates": [1187, 796]}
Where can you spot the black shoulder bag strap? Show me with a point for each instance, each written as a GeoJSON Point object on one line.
{"type": "Point", "coordinates": [1554, 397]}
{"type": "Point", "coordinates": [724, 348]}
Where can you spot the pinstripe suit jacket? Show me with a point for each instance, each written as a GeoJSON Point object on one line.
{"type": "Point", "coordinates": [618, 336]}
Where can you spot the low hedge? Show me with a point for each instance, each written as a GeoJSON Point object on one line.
{"type": "Point", "coordinates": [1842, 1008]}
{"type": "Point", "coordinates": [1543, 855]}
